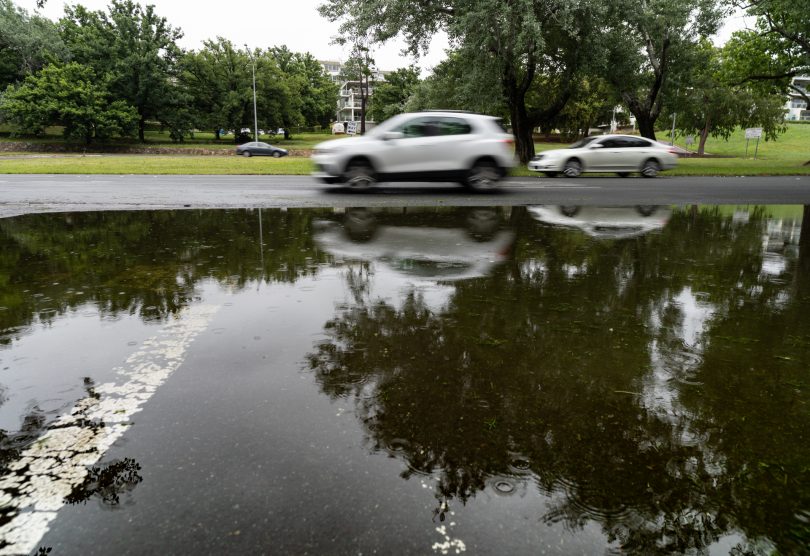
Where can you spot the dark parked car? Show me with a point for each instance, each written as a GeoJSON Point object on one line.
{"type": "Point", "coordinates": [257, 148]}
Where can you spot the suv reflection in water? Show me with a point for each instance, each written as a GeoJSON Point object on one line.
{"type": "Point", "coordinates": [429, 246]}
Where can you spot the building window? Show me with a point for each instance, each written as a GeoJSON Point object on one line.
{"type": "Point", "coordinates": [798, 103]}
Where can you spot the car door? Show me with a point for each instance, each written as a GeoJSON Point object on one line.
{"type": "Point", "coordinates": [637, 151]}
{"type": "Point", "coordinates": [408, 153]}
{"type": "Point", "coordinates": [602, 157]}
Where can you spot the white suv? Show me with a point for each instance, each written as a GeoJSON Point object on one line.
{"type": "Point", "coordinates": [471, 149]}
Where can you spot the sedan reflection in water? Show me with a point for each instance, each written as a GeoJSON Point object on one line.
{"type": "Point", "coordinates": [424, 246]}
{"type": "Point", "coordinates": [605, 222]}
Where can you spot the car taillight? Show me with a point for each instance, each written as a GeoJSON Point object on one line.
{"type": "Point", "coordinates": [673, 151]}
{"type": "Point", "coordinates": [508, 141]}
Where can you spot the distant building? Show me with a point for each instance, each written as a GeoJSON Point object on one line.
{"type": "Point", "coordinates": [796, 105]}
{"type": "Point", "coordinates": [348, 105]}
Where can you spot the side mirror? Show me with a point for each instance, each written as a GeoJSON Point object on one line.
{"type": "Point", "coordinates": [391, 135]}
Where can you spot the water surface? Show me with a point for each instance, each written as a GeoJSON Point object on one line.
{"type": "Point", "coordinates": [523, 380]}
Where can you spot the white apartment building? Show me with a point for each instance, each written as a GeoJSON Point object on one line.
{"type": "Point", "coordinates": [348, 105]}
{"type": "Point", "coordinates": [796, 105]}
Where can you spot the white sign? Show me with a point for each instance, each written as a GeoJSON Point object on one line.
{"type": "Point", "coordinates": [690, 139]}
{"type": "Point", "coordinates": [351, 128]}
{"type": "Point", "coordinates": [753, 133]}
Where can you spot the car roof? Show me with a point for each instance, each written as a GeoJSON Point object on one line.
{"type": "Point", "coordinates": [609, 135]}
{"type": "Point", "coordinates": [452, 113]}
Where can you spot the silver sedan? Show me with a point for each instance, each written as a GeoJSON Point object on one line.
{"type": "Point", "coordinates": [621, 154]}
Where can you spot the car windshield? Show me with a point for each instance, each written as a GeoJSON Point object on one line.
{"type": "Point", "coordinates": [582, 142]}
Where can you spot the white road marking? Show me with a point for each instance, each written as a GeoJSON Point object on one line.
{"type": "Point", "coordinates": [549, 185]}
{"type": "Point", "coordinates": [34, 489]}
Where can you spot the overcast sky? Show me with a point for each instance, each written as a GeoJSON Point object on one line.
{"type": "Point", "coordinates": [259, 23]}
{"type": "Point", "coordinates": [265, 23]}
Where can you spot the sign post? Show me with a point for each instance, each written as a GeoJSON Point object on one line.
{"type": "Point", "coordinates": [752, 133]}
{"type": "Point", "coordinates": [690, 140]}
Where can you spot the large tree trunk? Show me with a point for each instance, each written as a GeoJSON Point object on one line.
{"type": "Point", "coordinates": [141, 130]}
{"type": "Point", "coordinates": [802, 274]}
{"type": "Point", "coordinates": [524, 139]}
{"type": "Point", "coordinates": [704, 134]}
{"type": "Point", "coordinates": [521, 126]}
{"type": "Point", "coordinates": [216, 134]}
{"type": "Point", "coordinates": [646, 125]}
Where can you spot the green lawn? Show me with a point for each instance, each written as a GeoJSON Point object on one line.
{"type": "Point", "coordinates": [792, 146]}
{"type": "Point", "coordinates": [156, 164]}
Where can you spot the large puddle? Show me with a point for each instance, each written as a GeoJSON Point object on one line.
{"type": "Point", "coordinates": [524, 380]}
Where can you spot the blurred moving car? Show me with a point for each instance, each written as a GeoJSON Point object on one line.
{"type": "Point", "coordinates": [257, 148]}
{"type": "Point", "coordinates": [422, 245]}
{"type": "Point", "coordinates": [622, 154]}
{"type": "Point", "coordinates": [472, 149]}
{"type": "Point", "coordinates": [605, 222]}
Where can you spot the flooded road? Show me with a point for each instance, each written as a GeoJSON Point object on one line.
{"type": "Point", "coordinates": [510, 380]}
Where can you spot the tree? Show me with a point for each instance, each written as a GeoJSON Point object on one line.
{"type": "Point", "coordinates": [218, 80]}
{"type": "Point", "coordinates": [591, 103]}
{"type": "Point", "coordinates": [448, 87]}
{"type": "Point", "coordinates": [139, 50]}
{"type": "Point", "coordinates": [72, 96]}
{"type": "Point", "coordinates": [313, 93]}
{"type": "Point", "coordinates": [767, 59]}
{"type": "Point", "coordinates": [648, 41]}
{"type": "Point", "coordinates": [26, 43]}
{"type": "Point", "coordinates": [391, 96]}
{"type": "Point", "coordinates": [514, 40]}
{"type": "Point", "coordinates": [714, 104]}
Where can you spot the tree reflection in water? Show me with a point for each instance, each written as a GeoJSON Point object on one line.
{"type": "Point", "coordinates": [580, 369]}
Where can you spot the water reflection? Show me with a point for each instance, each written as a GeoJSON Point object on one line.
{"type": "Point", "coordinates": [641, 368]}
{"type": "Point", "coordinates": [427, 246]}
{"type": "Point", "coordinates": [656, 382]}
{"type": "Point", "coordinates": [604, 222]}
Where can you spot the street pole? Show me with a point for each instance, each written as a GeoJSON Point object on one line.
{"type": "Point", "coordinates": [255, 114]}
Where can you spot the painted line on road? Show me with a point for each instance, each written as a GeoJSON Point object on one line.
{"type": "Point", "coordinates": [542, 185]}
{"type": "Point", "coordinates": [36, 485]}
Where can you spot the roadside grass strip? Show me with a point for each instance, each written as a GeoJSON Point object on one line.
{"type": "Point", "coordinates": [39, 482]}
{"type": "Point", "coordinates": [159, 165]}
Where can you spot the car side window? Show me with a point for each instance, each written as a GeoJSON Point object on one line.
{"type": "Point", "coordinates": [453, 126]}
{"type": "Point", "coordinates": [638, 143]}
{"type": "Point", "coordinates": [418, 127]}
{"type": "Point", "coordinates": [612, 143]}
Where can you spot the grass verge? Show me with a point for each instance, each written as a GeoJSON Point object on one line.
{"type": "Point", "coordinates": [137, 164]}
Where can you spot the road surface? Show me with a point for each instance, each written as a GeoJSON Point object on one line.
{"type": "Point", "coordinates": [22, 194]}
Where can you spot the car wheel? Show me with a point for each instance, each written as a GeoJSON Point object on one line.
{"type": "Point", "coordinates": [623, 174]}
{"type": "Point", "coordinates": [276, 154]}
{"type": "Point", "coordinates": [246, 153]}
{"type": "Point", "coordinates": [482, 224]}
{"type": "Point", "coordinates": [360, 224]}
{"type": "Point", "coordinates": [650, 168]}
{"type": "Point", "coordinates": [360, 174]}
{"type": "Point", "coordinates": [551, 174]}
{"type": "Point", "coordinates": [483, 176]}
{"type": "Point", "coordinates": [573, 168]}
